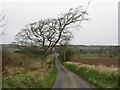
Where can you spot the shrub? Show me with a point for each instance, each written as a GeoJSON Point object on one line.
{"type": "Point", "coordinates": [66, 54]}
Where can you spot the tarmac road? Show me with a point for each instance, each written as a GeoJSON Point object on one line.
{"type": "Point", "coordinates": [68, 79]}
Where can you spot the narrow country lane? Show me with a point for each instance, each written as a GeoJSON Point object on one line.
{"type": "Point", "coordinates": [68, 79]}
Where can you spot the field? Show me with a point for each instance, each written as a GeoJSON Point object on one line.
{"type": "Point", "coordinates": [27, 71]}
{"type": "Point", "coordinates": [95, 59]}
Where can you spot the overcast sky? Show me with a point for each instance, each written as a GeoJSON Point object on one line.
{"type": "Point", "coordinates": [102, 29]}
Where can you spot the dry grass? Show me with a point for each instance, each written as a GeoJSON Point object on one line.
{"type": "Point", "coordinates": [19, 63]}
{"type": "Point", "coordinates": [24, 70]}
{"type": "Point", "coordinates": [99, 68]}
{"type": "Point", "coordinates": [100, 76]}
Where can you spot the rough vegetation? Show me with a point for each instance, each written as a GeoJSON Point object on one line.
{"type": "Point", "coordinates": [25, 71]}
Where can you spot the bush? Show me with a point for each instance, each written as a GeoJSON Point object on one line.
{"type": "Point", "coordinates": [66, 54]}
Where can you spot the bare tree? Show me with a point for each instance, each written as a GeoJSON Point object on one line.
{"type": "Point", "coordinates": [49, 32]}
{"type": "Point", "coordinates": [2, 17]}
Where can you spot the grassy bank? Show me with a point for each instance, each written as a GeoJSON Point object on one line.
{"type": "Point", "coordinates": [24, 71]}
{"type": "Point", "coordinates": [100, 79]}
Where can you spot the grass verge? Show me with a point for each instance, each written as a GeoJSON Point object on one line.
{"type": "Point", "coordinates": [99, 80]}
{"type": "Point", "coordinates": [49, 80]}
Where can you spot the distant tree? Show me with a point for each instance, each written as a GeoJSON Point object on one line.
{"type": "Point", "coordinates": [65, 54]}
{"type": "Point", "coordinates": [64, 44]}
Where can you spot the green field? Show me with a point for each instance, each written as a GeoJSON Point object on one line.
{"type": "Point", "coordinates": [90, 56]}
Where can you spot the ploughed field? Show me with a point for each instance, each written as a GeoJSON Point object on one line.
{"type": "Point", "coordinates": [97, 61]}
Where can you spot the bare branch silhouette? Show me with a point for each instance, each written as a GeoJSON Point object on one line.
{"type": "Point", "coordinates": [47, 33]}
{"type": "Point", "coordinates": [2, 17]}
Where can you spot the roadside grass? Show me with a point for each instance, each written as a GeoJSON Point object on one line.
{"type": "Point", "coordinates": [31, 80]}
{"type": "Point", "coordinates": [24, 71]}
{"type": "Point", "coordinates": [88, 56]}
{"type": "Point", "coordinates": [49, 80]}
{"type": "Point", "coordinates": [94, 76]}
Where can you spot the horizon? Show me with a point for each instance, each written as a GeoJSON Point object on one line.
{"type": "Point", "coordinates": [76, 45]}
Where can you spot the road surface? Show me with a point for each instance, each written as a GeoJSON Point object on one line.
{"type": "Point", "coordinates": [68, 79]}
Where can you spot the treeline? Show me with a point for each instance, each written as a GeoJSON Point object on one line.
{"type": "Point", "coordinates": [112, 50]}
{"type": "Point", "coordinates": [66, 53]}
